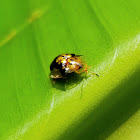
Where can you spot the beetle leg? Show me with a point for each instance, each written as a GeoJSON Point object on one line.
{"type": "Point", "coordinates": [84, 70]}
{"type": "Point", "coordinates": [78, 72]}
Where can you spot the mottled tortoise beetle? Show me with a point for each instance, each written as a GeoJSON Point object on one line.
{"type": "Point", "coordinates": [66, 64]}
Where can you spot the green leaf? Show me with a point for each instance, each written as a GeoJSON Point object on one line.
{"type": "Point", "coordinates": [33, 33]}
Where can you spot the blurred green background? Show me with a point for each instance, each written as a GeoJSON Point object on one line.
{"type": "Point", "coordinates": [33, 33]}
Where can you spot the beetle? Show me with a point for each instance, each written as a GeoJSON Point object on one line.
{"type": "Point", "coordinates": [66, 64]}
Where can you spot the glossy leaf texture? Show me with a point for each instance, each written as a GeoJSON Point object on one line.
{"type": "Point", "coordinates": [33, 33]}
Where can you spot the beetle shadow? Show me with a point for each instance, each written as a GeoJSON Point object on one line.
{"type": "Point", "coordinates": [71, 81]}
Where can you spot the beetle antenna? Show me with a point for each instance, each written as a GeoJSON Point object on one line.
{"type": "Point", "coordinates": [79, 55]}
{"type": "Point", "coordinates": [95, 74]}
